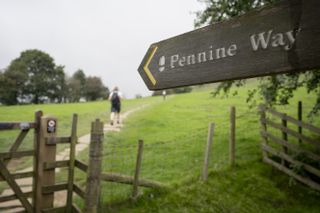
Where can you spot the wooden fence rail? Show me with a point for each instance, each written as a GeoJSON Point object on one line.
{"type": "Point", "coordinates": [124, 179]}
{"type": "Point", "coordinates": [297, 122]}
{"type": "Point", "coordinates": [285, 158]}
{"type": "Point", "coordinates": [17, 125]}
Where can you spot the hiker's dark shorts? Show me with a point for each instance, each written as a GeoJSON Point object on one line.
{"type": "Point", "coordinates": [116, 108]}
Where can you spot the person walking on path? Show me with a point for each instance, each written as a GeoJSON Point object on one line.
{"type": "Point", "coordinates": [164, 94]}
{"type": "Point", "coordinates": [115, 99]}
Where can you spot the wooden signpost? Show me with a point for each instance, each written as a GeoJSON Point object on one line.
{"type": "Point", "coordinates": [281, 38]}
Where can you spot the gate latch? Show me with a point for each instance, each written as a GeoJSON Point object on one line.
{"type": "Point", "coordinates": [24, 126]}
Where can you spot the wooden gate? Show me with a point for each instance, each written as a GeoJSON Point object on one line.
{"type": "Point", "coordinates": [289, 149]}
{"type": "Point", "coordinates": [13, 152]}
{"type": "Point", "coordinates": [41, 196]}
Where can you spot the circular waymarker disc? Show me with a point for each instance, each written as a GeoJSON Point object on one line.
{"type": "Point", "coordinates": [51, 123]}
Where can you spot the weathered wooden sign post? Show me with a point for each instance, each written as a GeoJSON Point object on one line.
{"type": "Point", "coordinates": [281, 38]}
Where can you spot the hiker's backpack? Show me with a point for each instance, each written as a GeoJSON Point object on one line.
{"type": "Point", "coordinates": [115, 99]}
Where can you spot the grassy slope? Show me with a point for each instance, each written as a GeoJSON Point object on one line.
{"type": "Point", "coordinates": [253, 187]}
{"type": "Point", "coordinates": [174, 132]}
{"type": "Point", "coordinates": [87, 112]}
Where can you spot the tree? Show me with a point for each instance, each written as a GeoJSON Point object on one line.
{"type": "Point", "coordinates": [95, 89]}
{"type": "Point", "coordinates": [12, 85]}
{"type": "Point", "coordinates": [58, 89]}
{"type": "Point", "coordinates": [81, 77]}
{"type": "Point", "coordinates": [34, 76]}
{"type": "Point", "coordinates": [74, 90]}
{"type": "Point", "coordinates": [277, 89]}
{"type": "Point", "coordinates": [77, 86]}
{"type": "Point", "coordinates": [219, 10]}
{"type": "Point", "coordinates": [8, 93]}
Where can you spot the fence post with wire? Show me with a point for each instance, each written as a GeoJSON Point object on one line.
{"type": "Point", "coordinates": [94, 168]}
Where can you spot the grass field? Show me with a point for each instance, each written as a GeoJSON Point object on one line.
{"type": "Point", "coordinates": [87, 112]}
{"type": "Point", "coordinates": [175, 132]}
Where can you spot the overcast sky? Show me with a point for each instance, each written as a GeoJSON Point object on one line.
{"type": "Point", "coordinates": [105, 38]}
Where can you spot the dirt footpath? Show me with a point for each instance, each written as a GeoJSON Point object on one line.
{"type": "Point", "coordinates": [60, 197]}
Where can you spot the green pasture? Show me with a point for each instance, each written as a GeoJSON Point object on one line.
{"type": "Point", "coordinates": [174, 132]}
{"type": "Point", "coordinates": [87, 112]}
